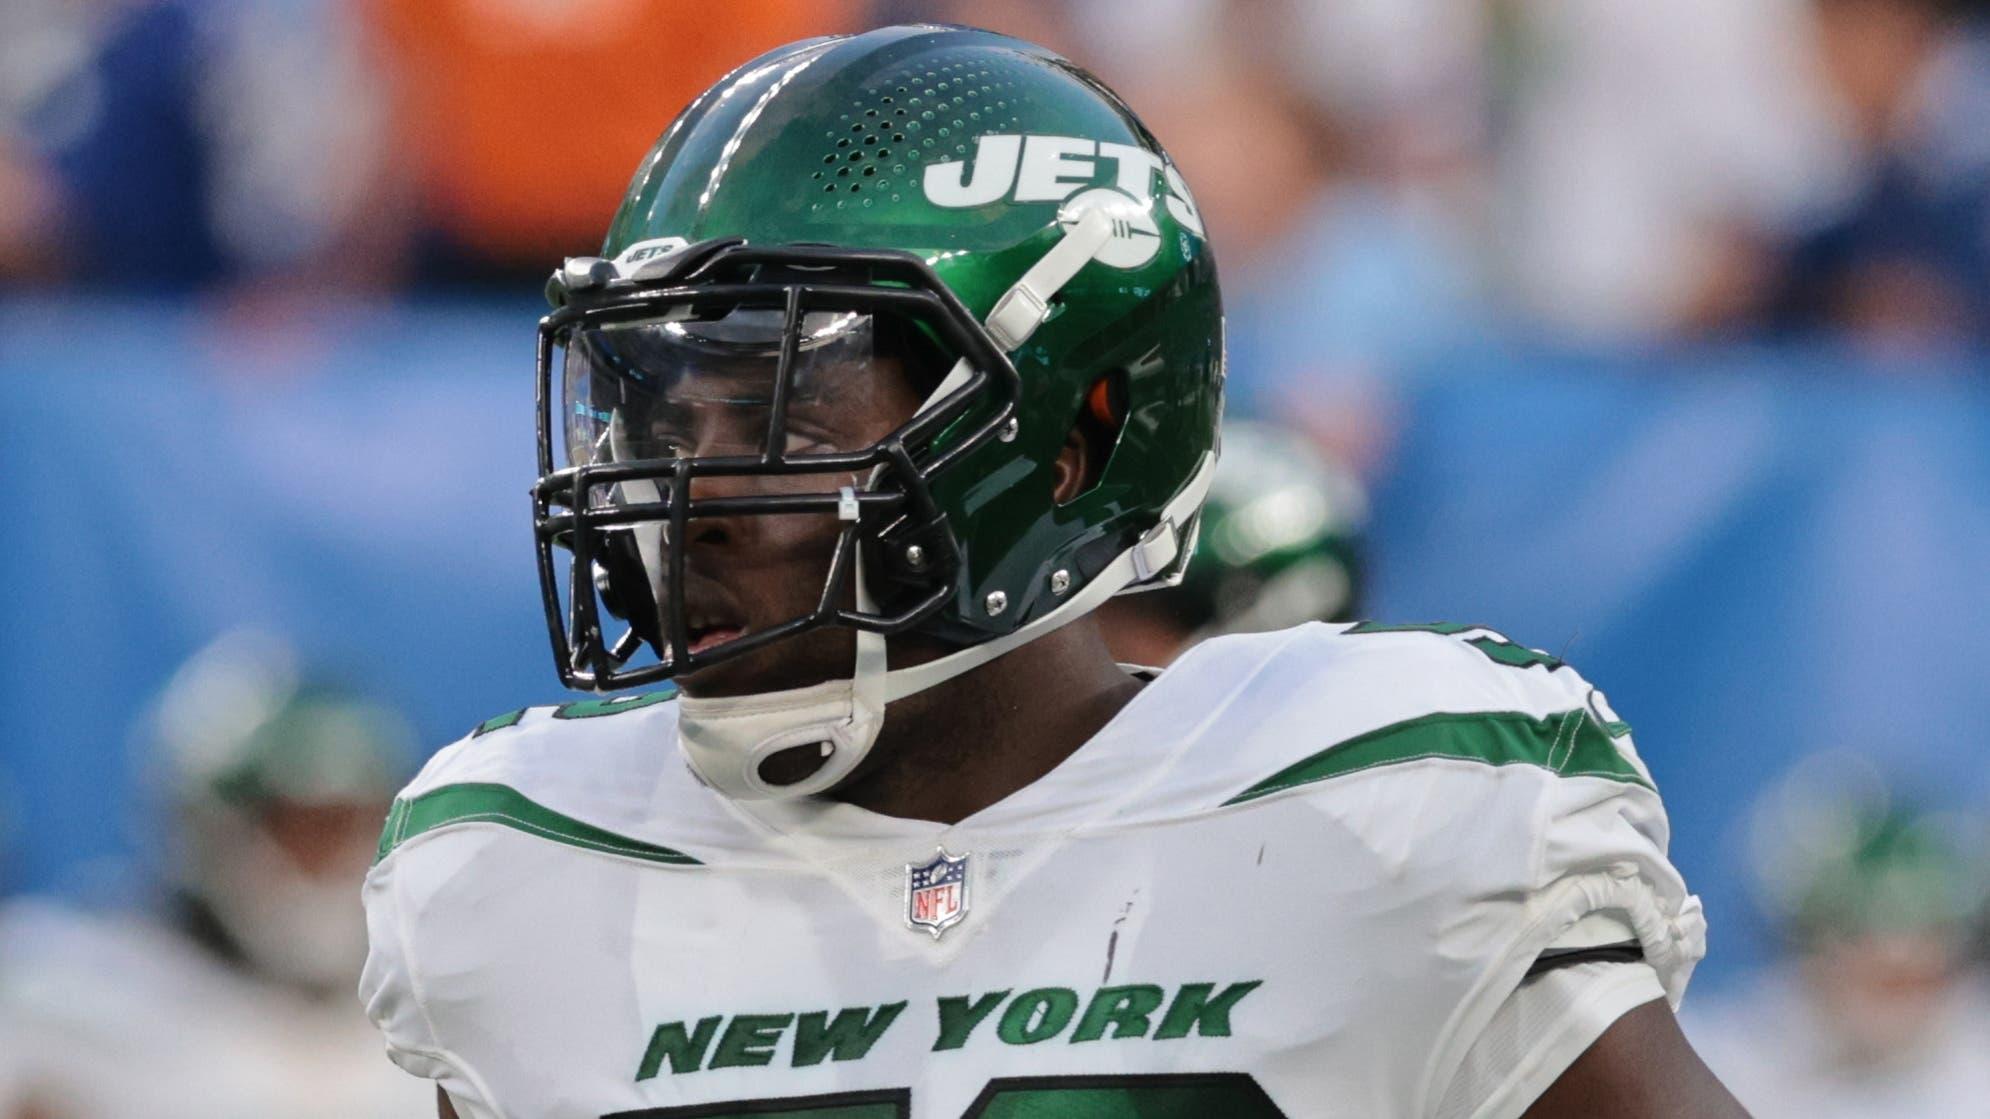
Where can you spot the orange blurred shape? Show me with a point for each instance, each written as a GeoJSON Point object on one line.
{"type": "Point", "coordinates": [523, 120]}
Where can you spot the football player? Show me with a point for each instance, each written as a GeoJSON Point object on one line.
{"type": "Point", "coordinates": [231, 996]}
{"type": "Point", "coordinates": [1278, 543]}
{"type": "Point", "coordinates": [904, 353]}
{"type": "Point", "coordinates": [1881, 1006]}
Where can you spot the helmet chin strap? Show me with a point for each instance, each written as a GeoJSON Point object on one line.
{"type": "Point", "coordinates": [728, 739]}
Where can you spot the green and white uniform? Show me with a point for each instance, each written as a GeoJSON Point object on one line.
{"type": "Point", "coordinates": [1302, 874]}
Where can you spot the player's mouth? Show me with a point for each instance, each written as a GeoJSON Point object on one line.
{"type": "Point", "coordinates": [711, 617]}
{"type": "Point", "coordinates": [710, 636]}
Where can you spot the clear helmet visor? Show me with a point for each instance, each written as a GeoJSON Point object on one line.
{"type": "Point", "coordinates": [676, 386]}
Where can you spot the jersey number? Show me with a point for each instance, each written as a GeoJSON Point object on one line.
{"type": "Point", "coordinates": [1232, 1095]}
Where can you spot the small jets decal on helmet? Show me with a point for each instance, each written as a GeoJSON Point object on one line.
{"type": "Point", "coordinates": [642, 252]}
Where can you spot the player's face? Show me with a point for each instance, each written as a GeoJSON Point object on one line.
{"type": "Point", "coordinates": [706, 389]}
{"type": "Point", "coordinates": [322, 840]}
{"type": "Point", "coordinates": [1880, 994]}
{"type": "Point", "coordinates": [744, 574]}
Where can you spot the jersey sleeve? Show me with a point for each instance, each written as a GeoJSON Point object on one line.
{"type": "Point", "coordinates": [392, 992]}
{"type": "Point", "coordinates": [387, 986]}
{"type": "Point", "coordinates": [1602, 851]}
{"type": "Point", "coordinates": [1599, 873]}
{"type": "Point", "coordinates": [1539, 1031]}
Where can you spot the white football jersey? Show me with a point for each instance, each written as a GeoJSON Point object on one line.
{"type": "Point", "coordinates": [1296, 876]}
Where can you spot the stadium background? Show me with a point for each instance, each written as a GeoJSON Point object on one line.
{"type": "Point", "coordinates": [1655, 331]}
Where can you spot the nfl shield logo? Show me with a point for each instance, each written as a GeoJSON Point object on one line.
{"type": "Point", "coordinates": [936, 893]}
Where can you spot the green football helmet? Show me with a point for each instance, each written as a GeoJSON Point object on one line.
{"type": "Point", "coordinates": [1842, 855]}
{"type": "Point", "coordinates": [969, 205]}
{"type": "Point", "coordinates": [274, 779]}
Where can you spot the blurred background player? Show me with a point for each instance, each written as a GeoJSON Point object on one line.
{"type": "Point", "coordinates": [1280, 544]}
{"type": "Point", "coordinates": [233, 996]}
{"type": "Point", "coordinates": [1882, 1006]}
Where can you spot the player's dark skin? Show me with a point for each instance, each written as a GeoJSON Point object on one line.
{"type": "Point", "coordinates": [946, 753]}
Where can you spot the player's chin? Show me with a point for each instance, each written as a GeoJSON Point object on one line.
{"type": "Point", "coordinates": [801, 661]}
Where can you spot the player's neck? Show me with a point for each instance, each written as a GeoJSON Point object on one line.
{"type": "Point", "coordinates": [957, 748]}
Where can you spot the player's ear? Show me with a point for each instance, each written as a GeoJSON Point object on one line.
{"type": "Point", "coordinates": [1073, 470]}
{"type": "Point", "coordinates": [1090, 440]}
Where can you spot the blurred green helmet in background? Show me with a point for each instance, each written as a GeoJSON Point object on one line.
{"type": "Point", "coordinates": [242, 726]}
{"type": "Point", "coordinates": [1843, 856]}
{"type": "Point", "coordinates": [276, 780]}
{"type": "Point", "coordinates": [1281, 539]}
{"type": "Point", "coordinates": [969, 205]}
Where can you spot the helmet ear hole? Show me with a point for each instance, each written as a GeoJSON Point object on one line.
{"type": "Point", "coordinates": [1105, 402]}
{"type": "Point", "coordinates": [1094, 435]}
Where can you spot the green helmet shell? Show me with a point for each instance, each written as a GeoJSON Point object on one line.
{"type": "Point", "coordinates": [962, 147]}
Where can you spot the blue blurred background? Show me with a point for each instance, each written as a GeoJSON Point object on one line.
{"type": "Point", "coordinates": [1655, 331]}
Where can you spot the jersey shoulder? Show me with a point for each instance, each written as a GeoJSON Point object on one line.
{"type": "Point", "coordinates": [1422, 744]}
{"type": "Point", "coordinates": [534, 804]}
{"type": "Point", "coordinates": [602, 775]}
{"type": "Point", "coordinates": [1296, 709]}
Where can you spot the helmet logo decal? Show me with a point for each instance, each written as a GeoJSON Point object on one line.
{"type": "Point", "coordinates": [1181, 204]}
{"type": "Point", "coordinates": [648, 250]}
{"type": "Point", "coordinates": [948, 184]}
{"type": "Point", "coordinates": [1041, 168]}
{"type": "Point", "coordinates": [1135, 235]}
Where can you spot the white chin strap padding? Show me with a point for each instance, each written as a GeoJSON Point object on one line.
{"type": "Point", "coordinates": [728, 739]}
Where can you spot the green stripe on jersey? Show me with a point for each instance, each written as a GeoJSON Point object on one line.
{"type": "Point", "coordinates": [507, 807]}
{"type": "Point", "coordinates": [1570, 744]}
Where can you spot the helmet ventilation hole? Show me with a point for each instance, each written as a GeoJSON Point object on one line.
{"type": "Point", "coordinates": [896, 125]}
